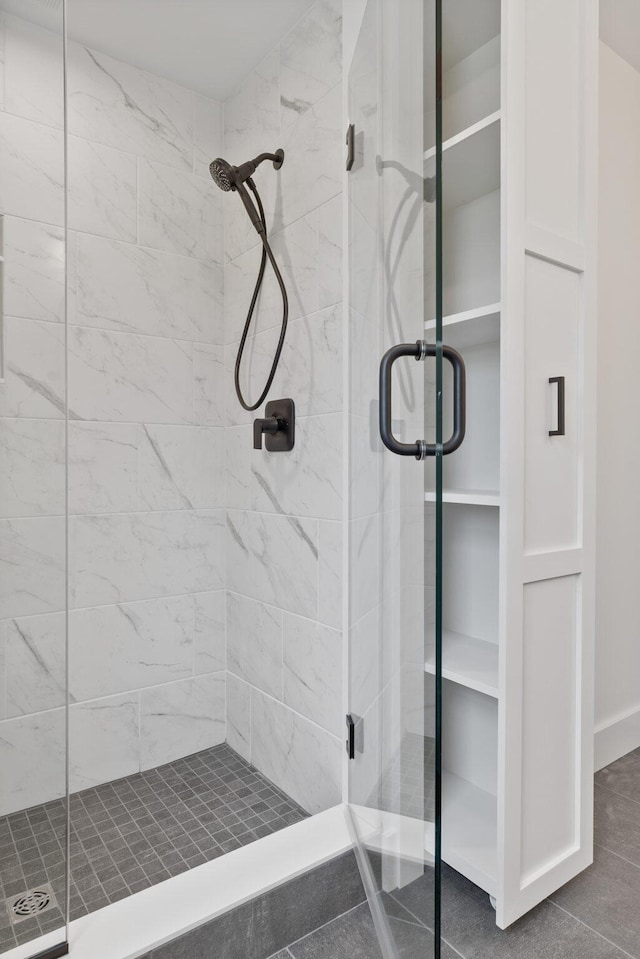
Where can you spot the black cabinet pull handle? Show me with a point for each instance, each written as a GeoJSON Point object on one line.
{"type": "Point", "coordinates": [421, 449]}
{"type": "Point", "coordinates": [560, 431]}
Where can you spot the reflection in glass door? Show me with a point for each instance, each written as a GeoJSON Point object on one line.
{"type": "Point", "coordinates": [395, 426]}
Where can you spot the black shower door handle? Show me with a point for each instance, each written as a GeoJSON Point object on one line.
{"type": "Point", "coordinates": [420, 350]}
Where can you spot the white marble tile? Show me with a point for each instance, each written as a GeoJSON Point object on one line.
{"type": "Point", "coordinates": [103, 467]}
{"type": "Point", "coordinates": [31, 170]}
{"type": "Point", "coordinates": [32, 759]}
{"type": "Point", "coordinates": [314, 159]}
{"type": "Point", "coordinates": [254, 643]}
{"type": "Point", "coordinates": [274, 559]}
{"type": "Point", "coordinates": [34, 71]}
{"type": "Point", "coordinates": [2, 83]}
{"type": "Point", "coordinates": [239, 233]}
{"type": "Point", "coordinates": [130, 289]}
{"type": "Point", "coordinates": [34, 267]}
{"type": "Point", "coordinates": [330, 574]}
{"type": "Point", "coordinates": [239, 454]}
{"type": "Point", "coordinates": [129, 556]}
{"type": "Point", "coordinates": [365, 655]}
{"type": "Point", "coordinates": [239, 716]}
{"type": "Point", "coordinates": [32, 568]}
{"type": "Point", "coordinates": [310, 368]}
{"type": "Point", "coordinates": [116, 104]}
{"type": "Point", "coordinates": [252, 126]}
{"type": "Point", "coordinates": [181, 718]}
{"type": "Point", "coordinates": [101, 190]}
{"type": "Point", "coordinates": [330, 268]}
{"type": "Point", "coordinates": [312, 671]}
{"type": "Point", "coordinates": [122, 377]}
{"type": "Point", "coordinates": [208, 134]}
{"type": "Point", "coordinates": [32, 467]}
{"type": "Point", "coordinates": [307, 481]}
{"type": "Point", "coordinates": [209, 631]}
{"type": "Point", "coordinates": [34, 371]}
{"type": "Point", "coordinates": [296, 252]}
{"type": "Point", "coordinates": [298, 756]}
{"type": "Point", "coordinates": [181, 467]}
{"type": "Point", "coordinates": [311, 59]}
{"type": "Point", "coordinates": [103, 741]}
{"type": "Point", "coordinates": [367, 463]}
{"type": "Point", "coordinates": [364, 566]}
{"type": "Point", "coordinates": [179, 212]}
{"type": "Point", "coordinates": [36, 660]}
{"type": "Point", "coordinates": [113, 649]}
{"type": "Point", "coordinates": [3, 626]}
{"type": "Point", "coordinates": [252, 113]}
{"type": "Point", "coordinates": [209, 383]}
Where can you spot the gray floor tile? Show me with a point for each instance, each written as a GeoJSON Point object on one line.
{"type": "Point", "coordinates": [617, 824]}
{"type": "Point", "coordinates": [353, 936]}
{"type": "Point", "coordinates": [607, 898]}
{"type": "Point", "coordinates": [622, 776]}
{"type": "Point", "coordinates": [547, 932]}
{"type": "Point", "coordinates": [269, 923]}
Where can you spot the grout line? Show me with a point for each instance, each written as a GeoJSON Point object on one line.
{"type": "Point", "coordinates": [612, 852]}
{"type": "Point", "coordinates": [622, 951]}
{"type": "Point", "coordinates": [324, 925]}
{"type": "Point", "coordinates": [614, 792]}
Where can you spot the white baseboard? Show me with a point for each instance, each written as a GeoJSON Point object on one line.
{"type": "Point", "coordinates": [617, 737]}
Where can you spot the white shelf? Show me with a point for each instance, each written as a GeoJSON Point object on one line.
{"type": "Point", "coordinates": [469, 831]}
{"type": "Point", "coordinates": [471, 162]}
{"type": "Point", "coordinates": [465, 497]}
{"type": "Point", "coordinates": [468, 662]}
{"type": "Point", "coordinates": [470, 328]}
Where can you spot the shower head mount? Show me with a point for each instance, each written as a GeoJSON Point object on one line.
{"type": "Point", "coordinates": [229, 177]}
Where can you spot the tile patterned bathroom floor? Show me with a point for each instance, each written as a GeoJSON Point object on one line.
{"type": "Point", "coordinates": [135, 832]}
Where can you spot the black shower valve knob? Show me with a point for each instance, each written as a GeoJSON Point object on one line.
{"type": "Point", "coordinates": [277, 426]}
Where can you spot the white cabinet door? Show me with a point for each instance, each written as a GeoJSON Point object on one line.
{"type": "Point", "coordinates": [550, 103]}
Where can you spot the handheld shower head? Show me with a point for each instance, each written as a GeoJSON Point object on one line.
{"type": "Point", "coordinates": [229, 177]}
{"type": "Point", "coordinates": [222, 174]}
{"type": "Point", "coordinates": [232, 179]}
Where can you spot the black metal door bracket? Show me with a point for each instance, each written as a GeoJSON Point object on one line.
{"type": "Point", "coordinates": [351, 147]}
{"type": "Point", "coordinates": [421, 449]}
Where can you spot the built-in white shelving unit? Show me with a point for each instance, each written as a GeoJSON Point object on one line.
{"type": "Point", "coordinates": [518, 501]}
{"type": "Point", "coordinates": [469, 662]}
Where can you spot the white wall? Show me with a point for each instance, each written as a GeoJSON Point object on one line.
{"type": "Point", "coordinates": [618, 542]}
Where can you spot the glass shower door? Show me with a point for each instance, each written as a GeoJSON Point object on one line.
{"type": "Point", "coordinates": [394, 429]}
{"type": "Point", "coordinates": [33, 455]}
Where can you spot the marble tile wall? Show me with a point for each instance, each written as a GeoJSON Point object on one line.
{"type": "Point", "coordinates": [205, 578]}
{"type": "Point", "coordinates": [285, 512]}
{"type": "Point", "coordinates": [146, 438]}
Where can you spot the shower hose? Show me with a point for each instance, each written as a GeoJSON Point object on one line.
{"type": "Point", "coordinates": [267, 253]}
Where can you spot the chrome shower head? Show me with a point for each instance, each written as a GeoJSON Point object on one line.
{"type": "Point", "coordinates": [223, 174]}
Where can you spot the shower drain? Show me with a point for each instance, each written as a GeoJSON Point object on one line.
{"type": "Point", "coordinates": [31, 903]}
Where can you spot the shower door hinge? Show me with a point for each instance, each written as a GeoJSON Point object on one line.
{"type": "Point", "coordinates": [355, 736]}
{"type": "Point", "coordinates": [351, 147]}
{"type": "Point", "coordinates": [351, 737]}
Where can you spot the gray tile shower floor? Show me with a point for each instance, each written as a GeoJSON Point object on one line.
{"type": "Point", "coordinates": [135, 832]}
